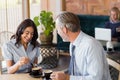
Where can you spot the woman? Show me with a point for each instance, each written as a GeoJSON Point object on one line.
{"type": "Point", "coordinates": [22, 51]}
{"type": "Point", "coordinates": [114, 24]}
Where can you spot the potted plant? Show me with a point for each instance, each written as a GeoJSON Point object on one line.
{"type": "Point", "coordinates": [47, 24]}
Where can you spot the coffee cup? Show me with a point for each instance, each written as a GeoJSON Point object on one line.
{"type": "Point", "coordinates": [47, 73]}
{"type": "Point", "coordinates": [36, 71]}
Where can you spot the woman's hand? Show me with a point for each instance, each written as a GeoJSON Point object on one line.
{"type": "Point", "coordinates": [23, 61]}
{"type": "Point", "coordinates": [114, 39]}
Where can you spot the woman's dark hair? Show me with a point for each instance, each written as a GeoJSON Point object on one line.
{"type": "Point", "coordinates": [24, 24]}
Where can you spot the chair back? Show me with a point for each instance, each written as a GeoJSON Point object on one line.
{"type": "Point", "coordinates": [5, 37]}
{"type": "Point", "coordinates": [1, 59]}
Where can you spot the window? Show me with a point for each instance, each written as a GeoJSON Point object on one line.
{"type": "Point", "coordinates": [10, 14]}
{"type": "Point", "coordinates": [35, 8]}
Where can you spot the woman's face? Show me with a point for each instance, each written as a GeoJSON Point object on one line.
{"type": "Point", "coordinates": [114, 15]}
{"type": "Point", "coordinates": [27, 35]}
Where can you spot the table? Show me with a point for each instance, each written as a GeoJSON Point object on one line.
{"type": "Point", "coordinates": [18, 77]}
{"type": "Point", "coordinates": [115, 56]}
{"type": "Point", "coordinates": [113, 59]}
{"type": "Point", "coordinates": [62, 66]}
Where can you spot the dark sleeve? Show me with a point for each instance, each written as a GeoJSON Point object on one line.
{"type": "Point", "coordinates": [107, 25]}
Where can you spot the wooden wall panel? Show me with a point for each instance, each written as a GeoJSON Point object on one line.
{"type": "Point", "coordinates": [92, 7]}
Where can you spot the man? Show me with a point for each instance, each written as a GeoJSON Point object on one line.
{"type": "Point", "coordinates": [88, 60]}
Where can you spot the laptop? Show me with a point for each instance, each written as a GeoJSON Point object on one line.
{"type": "Point", "coordinates": [103, 34]}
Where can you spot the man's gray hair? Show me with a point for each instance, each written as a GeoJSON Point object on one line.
{"type": "Point", "coordinates": [68, 20]}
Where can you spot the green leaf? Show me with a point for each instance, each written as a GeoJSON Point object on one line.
{"type": "Point", "coordinates": [46, 19]}
{"type": "Point", "coordinates": [36, 20]}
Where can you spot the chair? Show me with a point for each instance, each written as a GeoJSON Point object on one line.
{"type": "Point", "coordinates": [4, 37]}
{"type": "Point", "coordinates": [0, 62]}
{"type": "Point", "coordinates": [114, 69]}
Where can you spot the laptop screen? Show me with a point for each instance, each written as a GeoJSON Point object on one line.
{"type": "Point", "coordinates": [103, 34]}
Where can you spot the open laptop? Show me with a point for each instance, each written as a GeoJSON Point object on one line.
{"type": "Point", "coordinates": [103, 34]}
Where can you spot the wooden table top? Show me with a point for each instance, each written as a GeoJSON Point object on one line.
{"type": "Point", "coordinates": [18, 77]}
{"type": "Point", "coordinates": [114, 56]}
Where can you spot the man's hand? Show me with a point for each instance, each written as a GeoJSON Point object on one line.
{"type": "Point", "coordinates": [59, 76]}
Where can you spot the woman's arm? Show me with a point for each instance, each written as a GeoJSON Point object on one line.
{"type": "Point", "coordinates": [12, 68]}
{"type": "Point", "coordinates": [114, 39]}
{"type": "Point", "coordinates": [107, 25]}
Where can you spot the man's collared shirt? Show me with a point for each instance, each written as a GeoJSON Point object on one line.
{"type": "Point", "coordinates": [90, 59]}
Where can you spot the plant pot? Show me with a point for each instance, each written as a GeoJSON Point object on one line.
{"type": "Point", "coordinates": [44, 39]}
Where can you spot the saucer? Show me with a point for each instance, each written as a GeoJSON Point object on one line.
{"type": "Point", "coordinates": [35, 76]}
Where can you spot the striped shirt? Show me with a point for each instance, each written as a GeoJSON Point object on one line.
{"type": "Point", "coordinates": [11, 52]}
{"type": "Point", "coordinates": [90, 60]}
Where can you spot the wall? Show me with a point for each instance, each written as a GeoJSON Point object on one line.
{"type": "Point", "coordinates": [93, 7]}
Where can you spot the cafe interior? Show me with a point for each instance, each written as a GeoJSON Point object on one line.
{"type": "Point", "coordinates": [93, 15]}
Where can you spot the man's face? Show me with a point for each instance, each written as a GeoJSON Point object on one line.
{"type": "Point", "coordinates": [61, 32]}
